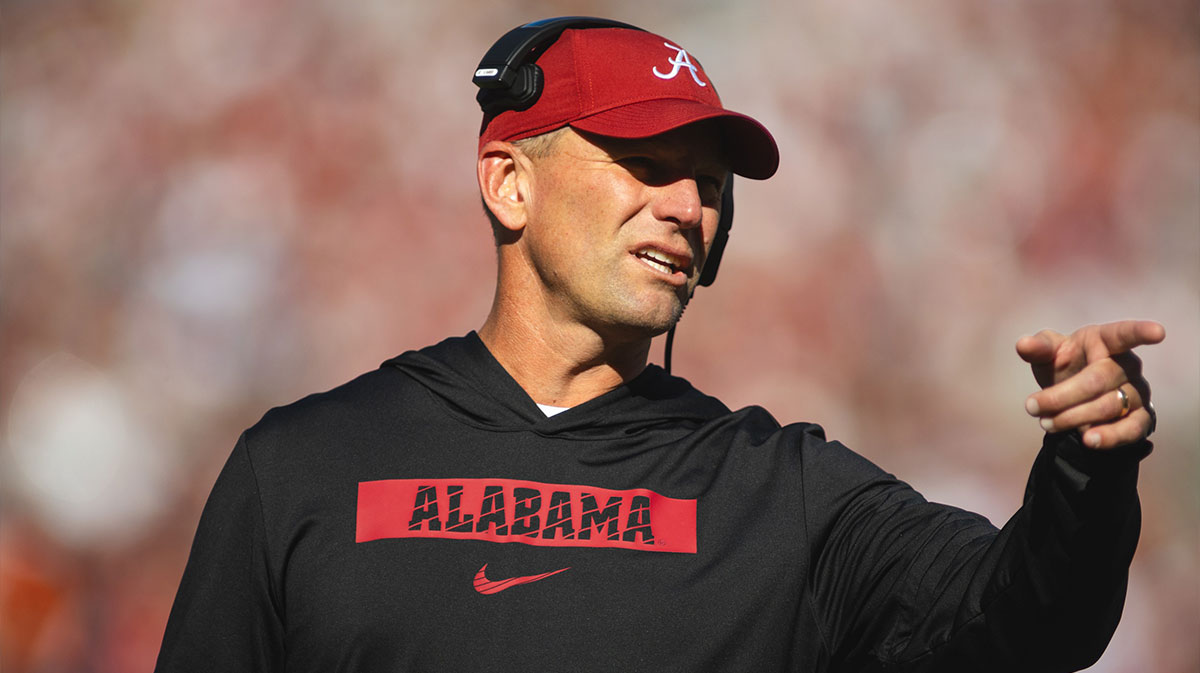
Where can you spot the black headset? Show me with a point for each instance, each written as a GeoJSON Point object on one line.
{"type": "Point", "coordinates": [508, 79]}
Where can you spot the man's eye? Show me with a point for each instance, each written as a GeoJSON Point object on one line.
{"type": "Point", "coordinates": [709, 187]}
{"type": "Point", "coordinates": [642, 167]}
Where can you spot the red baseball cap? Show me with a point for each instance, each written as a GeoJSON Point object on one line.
{"type": "Point", "coordinates": [627, 83]}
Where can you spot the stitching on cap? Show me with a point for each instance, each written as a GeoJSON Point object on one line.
{"type": "Point", "coordinates": [582, 87]}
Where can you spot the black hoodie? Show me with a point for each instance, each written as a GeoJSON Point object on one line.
{"type": "Point", "coordinates": [427, 516]}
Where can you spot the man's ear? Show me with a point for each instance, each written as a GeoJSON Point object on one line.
{"type": "Point", "coordinates": [502, 183]}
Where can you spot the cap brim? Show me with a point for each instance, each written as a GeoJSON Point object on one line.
{"type": "Point", "coordinates": [749, 145]}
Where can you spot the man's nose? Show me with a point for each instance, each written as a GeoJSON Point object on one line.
{"type": "Point", "coordinates": [679, 202]}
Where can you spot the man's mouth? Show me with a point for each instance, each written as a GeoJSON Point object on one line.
{"type": "Point", "coordinates": [662, 262]}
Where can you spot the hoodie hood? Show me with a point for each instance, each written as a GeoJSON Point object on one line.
{"type": "Point", "coordinates": [461, 374]}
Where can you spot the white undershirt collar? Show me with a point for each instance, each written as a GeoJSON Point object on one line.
{"type": "Point", "coordinates": [551, 410]}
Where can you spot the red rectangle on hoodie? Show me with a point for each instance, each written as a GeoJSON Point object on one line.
{"type": "Point", "coordinates": [528, 512]}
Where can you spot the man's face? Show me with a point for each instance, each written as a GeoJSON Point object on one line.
{"type": "Point", "coordinates": [618, 229]}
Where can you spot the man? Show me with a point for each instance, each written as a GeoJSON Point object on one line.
{"type": "Point", "coordinates": [534, 496]}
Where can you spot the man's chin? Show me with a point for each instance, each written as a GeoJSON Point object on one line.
{"type": "Point", "coordinates": [640, 315]}
{"type": "Point", "coordinates": [661, 324]}
{"type": "Point", "coordinates": [646, 325]}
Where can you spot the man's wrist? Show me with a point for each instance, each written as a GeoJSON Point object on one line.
{"type": "Point", "coordinates": [1070, 447]}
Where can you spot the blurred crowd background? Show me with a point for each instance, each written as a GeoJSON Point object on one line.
{"type": "Point", "coordinates": [211, 208]}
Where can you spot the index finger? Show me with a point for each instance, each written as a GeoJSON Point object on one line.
{"type": "Point", "coordinates": [1122, 336]}
{"type": "Point", "coordinates": [1040, 347]}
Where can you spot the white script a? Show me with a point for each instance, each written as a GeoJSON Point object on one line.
{"type": "Point", "coordinates": [680, 60]}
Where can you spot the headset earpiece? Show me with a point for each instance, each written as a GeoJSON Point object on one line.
{"type": "Point", "coordinates": [524, 91]}
{"type": "Point", "coordinates": [505, 77]}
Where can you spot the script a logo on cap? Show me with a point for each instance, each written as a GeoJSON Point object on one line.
{"type": "Point", "coordinates": [678, 62]}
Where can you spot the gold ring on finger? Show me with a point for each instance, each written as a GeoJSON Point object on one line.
{"type": "Point", "coordinates": [1124, 397]}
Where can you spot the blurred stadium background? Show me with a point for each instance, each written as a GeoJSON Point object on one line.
{"type": "Point", "coordinates": [211, 208]}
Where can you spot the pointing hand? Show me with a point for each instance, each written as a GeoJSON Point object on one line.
{"type": "Point", "coordinates": [1092, 382]}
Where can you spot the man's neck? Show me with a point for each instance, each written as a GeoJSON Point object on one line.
{"type": "Point", "coordinates": [561, 365]}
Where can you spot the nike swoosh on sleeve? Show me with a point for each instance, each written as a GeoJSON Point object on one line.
{"type": "Point", "coordinates": [485, 586]}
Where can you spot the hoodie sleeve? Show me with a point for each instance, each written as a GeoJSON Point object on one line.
{"type": "Point", "coordinates": [225, 615]}
{"type": "Point", "coordinates": [901, 584]}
